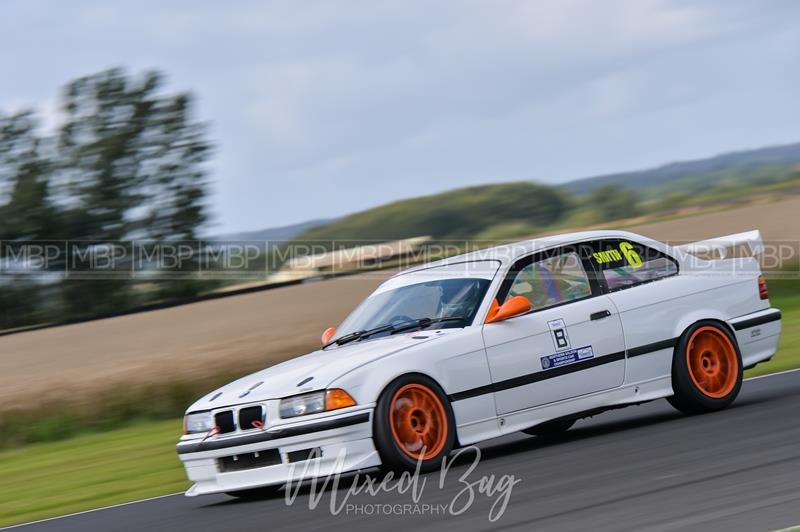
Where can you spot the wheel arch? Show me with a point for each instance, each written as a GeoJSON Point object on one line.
{"type": "Point", "coordinates": [370, 381]}
{"type": "Point", "coordinates": [718, 320]}
{"type": "Point", "coordinates": [694, 317]}
{"type": "Point", "coordinates": [390, 381]}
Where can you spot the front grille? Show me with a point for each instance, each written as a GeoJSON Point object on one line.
{"type": "Point", "coordinates": [251, 417]}
{"type": "Point", "coordinates": [242, 462]}
{"type": "Point", "coordinates": [224, 421]}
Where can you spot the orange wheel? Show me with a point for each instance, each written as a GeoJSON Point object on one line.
{"type": "Point", "coordinates": [712, 362]}
{"type": "Point", "coordinates": [706, 369]}
{"type": "Point", "coordinates": [418, 421]}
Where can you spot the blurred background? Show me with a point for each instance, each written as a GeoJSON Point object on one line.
{"type": "Point", "coordinates": [174, 176]}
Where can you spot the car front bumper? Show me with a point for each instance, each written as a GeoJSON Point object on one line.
{"type": "Point", "coordinates": [341, 443]}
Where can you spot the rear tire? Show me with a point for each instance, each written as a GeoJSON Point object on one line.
{"type": "Point", "coordinates": [706, 369]}
{"type": "Point", "coordinates": [551, 429]}
{"type": "Point", "coordinates": [413, 420]}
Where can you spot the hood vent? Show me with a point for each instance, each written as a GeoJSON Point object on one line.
{"type": "Point", "coordinates": [250, 389]}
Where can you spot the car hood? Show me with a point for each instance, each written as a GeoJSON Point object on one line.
{"type": "Point", "coordinates": [314, 371]}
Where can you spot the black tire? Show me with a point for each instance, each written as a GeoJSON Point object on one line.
{"type": "Point", "coordinates": [551, 429]}
{"type": "Point", "coordinates": [690, 397]}
{"type": "Point", "coordinates": [393, 456]}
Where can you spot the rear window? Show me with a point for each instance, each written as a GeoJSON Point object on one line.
{"type": "Point", "coordinates": [624, 264]}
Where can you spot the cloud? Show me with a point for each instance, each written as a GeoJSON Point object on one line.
{"type": "Point", "coordinates": [322, 108]}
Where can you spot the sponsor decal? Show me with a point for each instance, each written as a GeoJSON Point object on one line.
{"type": "Point", "coordinates": [631, 256]}
{"type": "Point", "coordinates": [603, 257]}
{"type": "Point", "coordinates": [567, 357]}
{"type": "Point", "coordinates": [612, 256]}
{"type": "Point", "coordinates": [559, 331]}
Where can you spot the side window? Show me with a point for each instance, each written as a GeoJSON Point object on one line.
{"type": "Point", "coordinates": [623, 264]}
{"type": "Point", "coordinates": [551, 281]}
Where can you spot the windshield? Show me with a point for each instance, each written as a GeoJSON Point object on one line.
{"type": "Point", "coordinates": [435, 300]}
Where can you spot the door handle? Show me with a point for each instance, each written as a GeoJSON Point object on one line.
{"type": "Point", "coordinates": [599, 315]}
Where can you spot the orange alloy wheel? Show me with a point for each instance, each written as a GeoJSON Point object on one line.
{"type": "Point", "coordinates": [418, 421]}
{"type": "Point", "coordinates": [712, 362]}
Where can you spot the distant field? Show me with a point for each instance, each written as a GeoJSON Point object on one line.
{"type": "Point", "coordinates": [232, 335]}
{"type": "Point", "coordinates": [778, 221]}
{"type": "Point", "coordinates": [222, 336]}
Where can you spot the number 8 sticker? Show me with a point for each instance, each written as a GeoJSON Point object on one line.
{"type": "Point", "coordinates": [630, 254]}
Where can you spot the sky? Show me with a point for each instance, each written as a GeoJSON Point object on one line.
{"type": "Point", "coordinates": [323, 108]}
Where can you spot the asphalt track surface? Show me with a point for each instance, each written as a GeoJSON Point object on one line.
{"type": "Point", "coordinates": [641, 468]}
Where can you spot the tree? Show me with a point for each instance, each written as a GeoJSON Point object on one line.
{"type": "Point", "coordinates": [613, 202]}
{"type": "Point", "coordinates": [128, 162]}
{"type": "Point", "coordinates": [133, 161]}
{"type": "Point", "coordinates": [134, 158]}
{"type": "Point", "coordinates": [26, 213]}
{"type": "Point", "coordinates": [25, 180]}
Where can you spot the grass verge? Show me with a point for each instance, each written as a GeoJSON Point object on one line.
{"type": "Point", "coordinates": [90, 471]}
{"type": "Point", "coordinates": [111, 408]}
{"type": "Point", "coordinates": [785, 295]}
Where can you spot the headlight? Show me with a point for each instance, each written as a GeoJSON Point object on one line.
{"type": "Point", "coordinates": [315, 402]}
{"type": "Point", "coordinates": [198, 422]}
{"type": "Point", "coordinates": [300, 405]}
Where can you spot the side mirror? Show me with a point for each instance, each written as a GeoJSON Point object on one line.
{"type": "Point", "coordinates": [513, 307]}
{"type": "Point", "coordinates": [328, 334]}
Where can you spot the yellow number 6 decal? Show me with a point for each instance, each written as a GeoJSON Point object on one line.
{"type": "Point", "coordinates": [630, 254]}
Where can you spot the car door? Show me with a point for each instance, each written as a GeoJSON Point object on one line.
{"type": "Point", "coordinates": [570, 344]}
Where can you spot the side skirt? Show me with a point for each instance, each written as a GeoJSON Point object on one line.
{"type": "Point", "coordinates": [593, 412]}
{"type": "Point", "coordinates": [573, 408]}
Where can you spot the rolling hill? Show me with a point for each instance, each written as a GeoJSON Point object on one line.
{"type": "Point", "coordinates": [509, 210]}
{"type": "Point", "coordinates": [765, 164]}
{"type": "Point", "coordinates": [283, 233]}
{"type": "Point", "coordinates": [460, 213]}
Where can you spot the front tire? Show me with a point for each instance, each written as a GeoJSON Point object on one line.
{"type": "Point", "coordinates": [413, 422]}
{"type": "Point", "coordinates": [706, 369]}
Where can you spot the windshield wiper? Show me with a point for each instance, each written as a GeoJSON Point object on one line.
{"type": "Point", "coordinates": [423, 322]}
{"type": "Point", "coordinates": [358, 335]}
{"type": "Point", "coordinates": [416, 324]}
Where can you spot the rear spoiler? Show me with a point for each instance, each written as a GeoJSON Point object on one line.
{"type": "Point", "coordinates": [723, 244]}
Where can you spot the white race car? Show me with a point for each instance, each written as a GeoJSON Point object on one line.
{"type": "Point", "coordinates": [525, 337]}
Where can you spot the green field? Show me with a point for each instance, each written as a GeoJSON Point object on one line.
{"type": "Point", "coordinates": [139, 461]}
{"type": "Point", "coordinates": [785, 295]}
{"type": "Point", "coordinates": [90, 471]}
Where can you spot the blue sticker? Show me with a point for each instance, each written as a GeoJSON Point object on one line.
{"type": "Point", "coordinates": [567, 357]}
